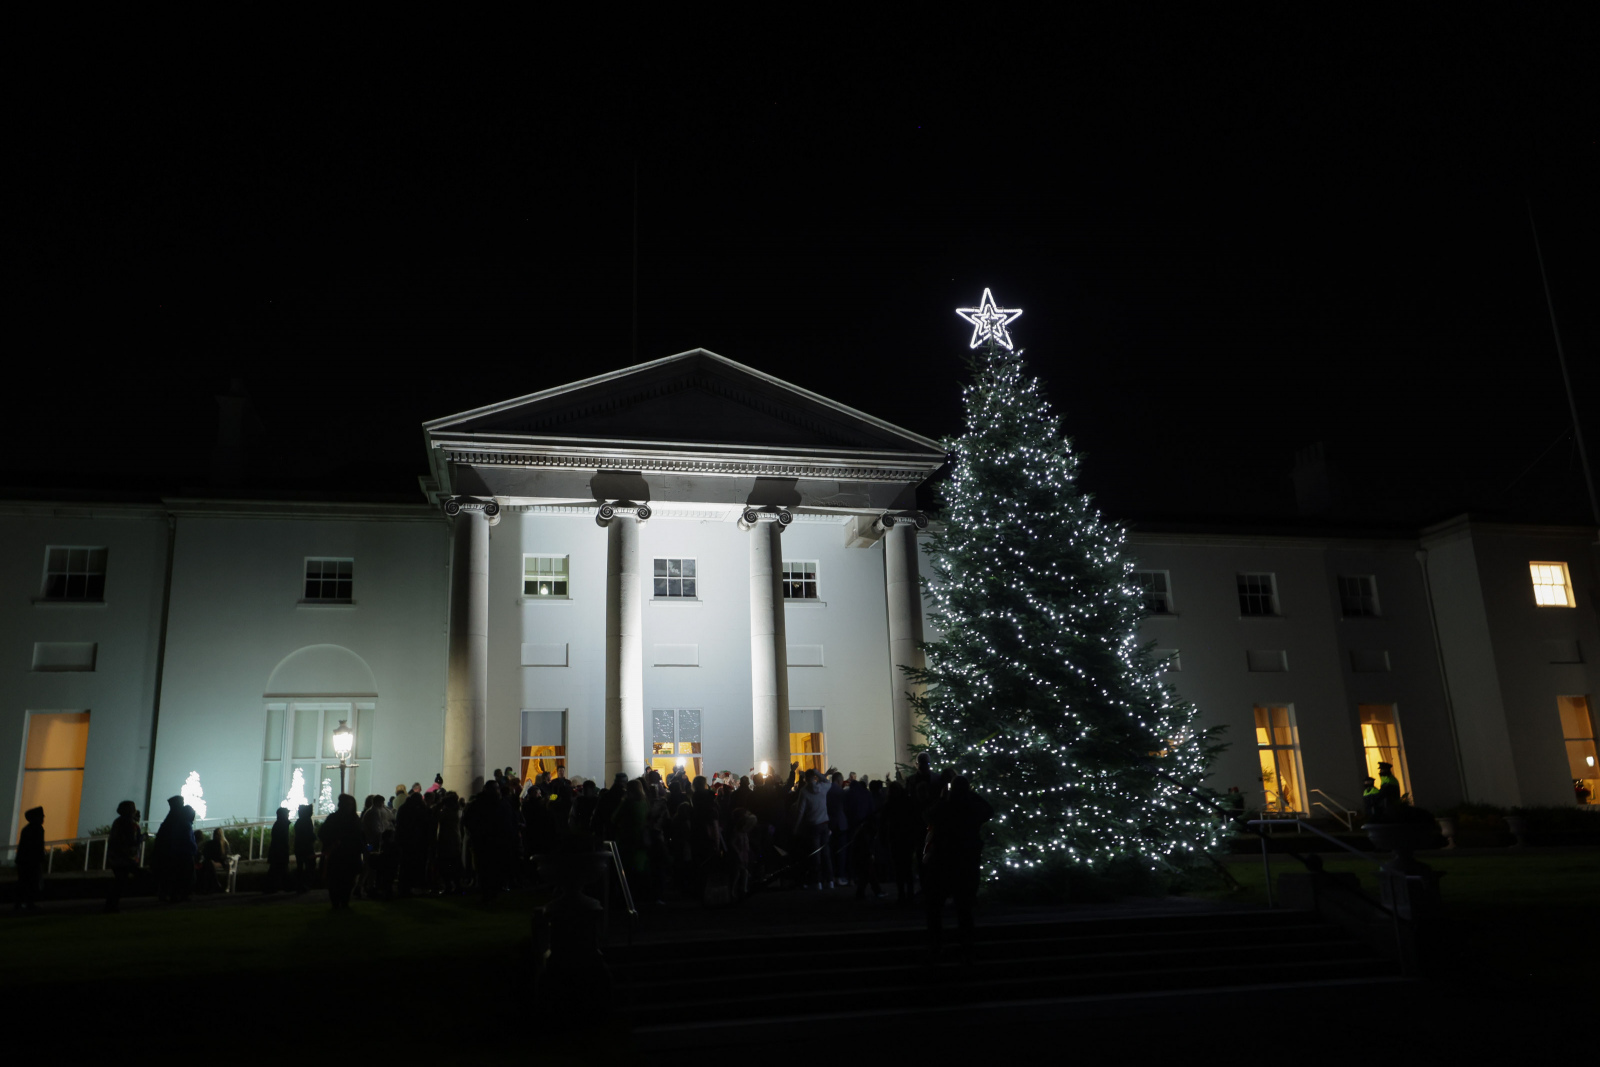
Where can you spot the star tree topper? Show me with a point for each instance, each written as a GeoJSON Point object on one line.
{"type": "Point", "coordinates": [989, 322]}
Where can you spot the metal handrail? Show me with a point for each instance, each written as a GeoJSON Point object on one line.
{"type": "Point", "coordinates": [1338, 816]}
{"type": "Point", "coordinates": [615, 854]}
{"type": "Point", "coordinates": [1348, 813]}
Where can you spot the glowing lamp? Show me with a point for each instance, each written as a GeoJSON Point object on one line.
{"type": "Point", "coordinates": [344, 740]}
{"type": "Point", "coordinates": [766, 768]}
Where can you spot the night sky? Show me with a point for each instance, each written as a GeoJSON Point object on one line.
{"type": "Point", "coordinates": [1232, 237]}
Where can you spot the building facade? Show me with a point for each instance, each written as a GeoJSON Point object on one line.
{"type": "Point", "coordinates": [692, 562]}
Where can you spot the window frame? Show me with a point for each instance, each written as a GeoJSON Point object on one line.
{"type": "Point", "coordinates": [1345, 598]}
{"type": "Point", "coordinates": [807, 759]}
{"type": "Point", "coordinates": [566, 562]}
{"type": "Point", "coordinates": [814, 580]}
{"type": "Point", "coordinates": [68, 573]}
{"type": "Point", "coordinates": [1569, 598]}
{"type": "Point", "coordinates": [1292, 748]}
{"type": "Point", "coordinates": [1145, 593]}
{"type": "Point", "coordinates": [1402, 769]}
{"type": "Point", "coordinates": [359, 715]}
{"type": "Point", "coordinates": [694, 757]}
{"type": "Point", "coordinates": [1583, 706]}
{"type": "Point", "coordinates": [668, 577]}
{"type": "Point", "coordinates": [1241, 593]}
{"type": "Point", "coordinates": [337, 579]}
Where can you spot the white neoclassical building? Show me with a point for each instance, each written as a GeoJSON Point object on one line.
{"type": "Point", "coordinates": [690, 560]}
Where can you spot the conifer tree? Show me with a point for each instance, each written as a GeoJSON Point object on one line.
{"type": "Point", "coordinates": [1037, 688]}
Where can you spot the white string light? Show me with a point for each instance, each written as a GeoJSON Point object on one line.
{"type": "Point", "coordinates": [989, 322]}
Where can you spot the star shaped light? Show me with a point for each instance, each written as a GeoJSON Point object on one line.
{"type": "Point", "coordinates": [989, 322]}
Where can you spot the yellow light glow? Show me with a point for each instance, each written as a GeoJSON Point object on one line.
{"type": "Point", "coordinates": [1552, 585]}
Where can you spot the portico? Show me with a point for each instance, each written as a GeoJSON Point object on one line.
{"type": "Point", "coordinates": [671, 498]}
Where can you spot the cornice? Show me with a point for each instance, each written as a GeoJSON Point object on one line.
{"type": "Point", "coordinates": [1463, 526]}
{"type": "Point", "coordinates": [302, 509]}
{"type": "Point", "coordinates": [850, 468]}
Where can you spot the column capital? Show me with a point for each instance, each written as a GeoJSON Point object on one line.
{"type": "Point", "coordinates": [752, 516]}
{"type": "Point", "coordinates": [455, 505]}
{"type": "Point", "coordinates": [911, 518]}
{"type": "Point", "coordinates": [606, 512]}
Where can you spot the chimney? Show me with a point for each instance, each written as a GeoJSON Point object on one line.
{"type": "Point", "coordinates": [227, 459]}
{"type": "Point", "coordinates": [1313, 485]}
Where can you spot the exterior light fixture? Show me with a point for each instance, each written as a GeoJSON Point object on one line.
{"type": "Point", "coordinates": [344, 739]}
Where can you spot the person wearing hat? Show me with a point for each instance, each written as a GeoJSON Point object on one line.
{"type": "Point", "coordinates": [1388, 790]}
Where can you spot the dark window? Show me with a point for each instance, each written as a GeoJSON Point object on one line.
{"type": "Point", "coordinates": [74, 573]}
{"type": "Point", "coordinates": [1358, 594]}
{"type": "Point", "coordinates": [674, 578]}
{"type": "Point", "coordinates": [1257, 595]}
{"type": "Point", "coordinates": [330, 580]}
{"type": "Point", "coordinates": [799, 580]}
{"type": "Point", "coordinates": [1157, 592]}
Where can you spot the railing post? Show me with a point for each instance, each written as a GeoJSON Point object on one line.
{"type": "Point", "coordinates": [1266, 870]}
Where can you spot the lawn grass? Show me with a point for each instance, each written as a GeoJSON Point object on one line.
{"type": "Point", "coordinates": [256, 935]}
{"type": "Point", "coordinates": [1520, 923]}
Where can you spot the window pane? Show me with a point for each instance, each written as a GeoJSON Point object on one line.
{"type": "Point", "coordinates": [662, 726]}
{"type": "Point", "coordinates": [58, 793]}
{"type": "Point", "coordinates": [77, 585]}
{"type": "Point", "coordinates": [674, 568]}
{"type": "Point", "coordinates": [661, 568]}
{"type": "Point", "coordinates": [59, 740]}
{"type": "Point", "coordinates": [1575, 721]}
{"type": "Point", "coordinates": [55, 587]}
{"type": "Point", "coordinates": [307, 722]}
{"type": "Point", "coordinates": [272, 749]}
{"type": "Point", "coordinates": [661, 587]}
{"type": "Point", "coordinates": [56, 559]}
{"type": "Point", "coordinates": [688, 587]}
{"type": "Point", "coordinates": [95, 588]}
{"type": "Point", "coordinates": [97, 561]}
{"type": "Point", "coordinates": [688, 568]}
{"type": "Point", "coordinates": [346, 568]}
{"type": "Point", "coordinates": [559, 588]}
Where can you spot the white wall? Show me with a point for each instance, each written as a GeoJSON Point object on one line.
{"type": "Point", "coordinates": [235, 616]}
{"type": "Point", "coordinates": [851, 687]}
{"type": "Point", "coordinates": [119, 692]}
{"type": "Point", "coordinates": [1519, 632]}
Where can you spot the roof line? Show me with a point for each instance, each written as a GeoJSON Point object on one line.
{"type": "Point", "coordinates": [546, 394]}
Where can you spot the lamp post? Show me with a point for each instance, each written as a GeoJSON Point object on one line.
{"type": "Point", "coordinates": [343, 739]}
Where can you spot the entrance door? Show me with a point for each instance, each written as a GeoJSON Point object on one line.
{"type": "Point", "coordinates": [52, 771]}
{"type": "Point", "coordinates": [1380, 740]}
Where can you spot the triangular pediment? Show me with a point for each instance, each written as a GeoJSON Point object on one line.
{"type": "Point", "coordinates": [693, 398]}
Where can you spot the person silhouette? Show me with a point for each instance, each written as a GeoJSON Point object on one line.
{"type": "Point", "coordinates": [305, 848]}
{"type": "Point", "coordinates": [952, 860]}
{"type": "Point", "coordinates": [122, 852]}
{"type": "Point", "coordinates": [30, 860]}
{"type": "Point", "coordinates": [278, 853]}
{"type": "Point", "coordinates": [343, 848]}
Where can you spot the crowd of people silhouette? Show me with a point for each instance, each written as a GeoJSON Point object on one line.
{"type": "Point", "coordinates": [677, 838]}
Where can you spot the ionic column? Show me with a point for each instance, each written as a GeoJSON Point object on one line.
{"type": "Point", "coordinates": [904, 595]}
{"type": "Point", "coordinates": [466, 718]}
{"type": "Point", "coordinates": [625, 580]}
{"type": "Point", "coordinates": [769, 652]}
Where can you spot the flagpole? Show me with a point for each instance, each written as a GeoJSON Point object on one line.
{"type": "Point", "coordinates": [1561, 356]}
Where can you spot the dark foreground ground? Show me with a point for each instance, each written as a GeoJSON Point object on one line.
{"type": "Point", "coordinates": [446, 980]}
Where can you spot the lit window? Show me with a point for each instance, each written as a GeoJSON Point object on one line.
{"type": "Point", "coordinates": [544, 744]}
{"type": "Point", "coordinates": [330, 581]}
{"type": "Point", "coordinates": [807, 743]}
{"type": "Point", "coordinates": [1380, 740]}
{"type": "Point", "coordinates": [52, 769]}
{"type": "Point", "coordinates": [304, 733]}
{"type": "Point", "coordinates": [1258, 594]}
{"type": "Point", "coordinates": [1156, 588]}
{"type": "Point", "coordinates": [545, 577]}
{"type": "Point", "coordinates": [1358, 595]}
{"type": "Point", "coordinates": [799, 579]}
{"type": "Point", "coordinates": [1577, 728]}
{"type": "Point", "coordinates": [1552, 585]}
{"type": "Point", "coordinates": [674, 578]}
{"type": "Point", "coordinates": [74, 573]}
{"type": "Point", "coordinates": [675, 741]}
{"type": "Point", "coordinates": [1278, 749]}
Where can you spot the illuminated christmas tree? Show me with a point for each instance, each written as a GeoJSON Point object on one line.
{"type": "Point", "coordinates": [325, 801]}
{"type": "Point", "coordinates": [193, 795]}
{"type": "Point", "coordinates": [297, 793]}
{"type": "Point", "coordinates": [1038, 689]}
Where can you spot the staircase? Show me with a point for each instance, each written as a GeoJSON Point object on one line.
{"type": "Point", "coordinates": [746, 989]}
